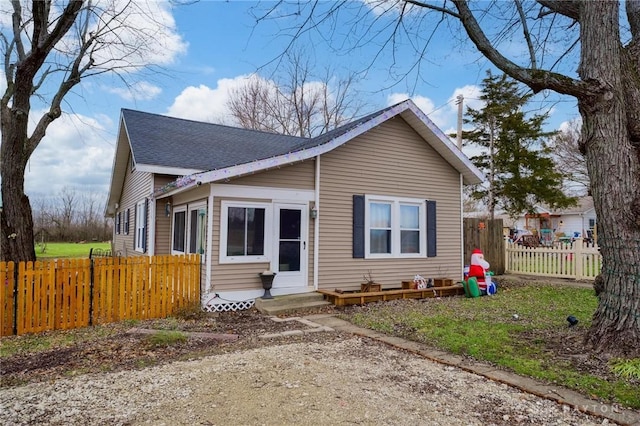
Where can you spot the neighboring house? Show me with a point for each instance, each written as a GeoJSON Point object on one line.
{"type": "Point", "coordinates": [578, 221]}
{"type": "Point", "coordinates": [381, 195]}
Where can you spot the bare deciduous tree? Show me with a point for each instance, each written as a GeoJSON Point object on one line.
{"type": "Point", "coordinates": [70, 216]}
{"type": "Point", "coordinates": [47, 50]}
{"type": "Point", "coordinates": [566, 150]}
{"type": "Point", "coordinates": [539, 43]}
{"type": "Point", "coordinates": [296, 101]}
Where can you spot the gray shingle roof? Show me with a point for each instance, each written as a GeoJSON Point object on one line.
{"type": "Point", "coordinates": [173, 142]}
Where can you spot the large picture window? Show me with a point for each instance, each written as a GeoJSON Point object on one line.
{"type": "Point", "coordinates": [244, 232]}
{"type": "Point", "coordinates": [394, 227]}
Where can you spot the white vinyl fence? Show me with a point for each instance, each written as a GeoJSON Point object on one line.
{"type": "Point", "coordinates": [577, 260]}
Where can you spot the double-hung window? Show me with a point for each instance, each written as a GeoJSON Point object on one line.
{"type": "Point", "coordinates": [126, 222]}
{"type": "Point", "coordinates": [394, 227]}
{"type": "Point", "coordinates": [118, 216]}
{"type": "Point", "coordinates": [245, 232]}
{"type": "Point", "coordinates": [141, 227]}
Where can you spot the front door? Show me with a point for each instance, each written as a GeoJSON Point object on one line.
{"type": "Point", "coordinates": [290, 251]}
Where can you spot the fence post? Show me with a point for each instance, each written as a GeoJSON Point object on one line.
{"type": "Point", "coordinates": [506, 256]}
{"type": "Point", "coordinates": [579, 249]}
{"type": "Point", "coordinates": [91, 280]}
{"type": "Point", "coordinates": [15, 298]}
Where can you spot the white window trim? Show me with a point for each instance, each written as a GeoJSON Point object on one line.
{"type": "Point", "coordinates": [140, 225]}
{"type": "Point", "coordinates": [127, 218]}
{"type": "Point", "coordinates": [175, 210]}
{"type": "Point", "coordinates": [187, 209]}
{"type": "Point", "coordinates": [395, 202]}
{"type": "Point", "coordinates": [268, 230]}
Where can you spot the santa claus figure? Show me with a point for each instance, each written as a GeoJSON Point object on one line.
{"type": "Point", "coordinates": [478, 268]}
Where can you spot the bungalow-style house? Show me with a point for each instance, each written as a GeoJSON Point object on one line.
{"type": "Point", "coordinates": [381, 195]}
{"type": "Point", "coordinates": [576, 221]}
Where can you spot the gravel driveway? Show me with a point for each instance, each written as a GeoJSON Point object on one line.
{"type": "Point", "coordinates": [343, 381]}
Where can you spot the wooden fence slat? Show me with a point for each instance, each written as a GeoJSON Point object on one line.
{"type": "Point", "coordinates": [7, 280]}
{"type": "Point", "coordinates": [57, 294]}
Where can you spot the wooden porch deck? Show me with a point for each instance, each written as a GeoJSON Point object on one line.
{"type": "Point", "coordinates": [360, 298]}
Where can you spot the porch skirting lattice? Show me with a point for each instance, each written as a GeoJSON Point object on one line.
{"type": "Point", "coordinates": [228, 306]}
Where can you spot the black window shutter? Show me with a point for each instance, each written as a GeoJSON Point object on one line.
{"type": "Point", "coordinates": [358, 226]}
{"type": "Point", "coordinates": [431, 229]}
{"type": "Point", "coordinates": [128, 222]}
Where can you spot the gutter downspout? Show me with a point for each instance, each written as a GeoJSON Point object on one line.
{"type": "Point", "coordinates": [152, 222]}
{"type": "Point", "coordinates": [316, 225]}
{"type": "Point", "coordinates": [461, 225]}
{"type": "Point", "coordinates": [209, 252]}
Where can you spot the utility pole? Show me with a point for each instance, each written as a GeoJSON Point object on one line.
{"type": "Point", "coordinates": [460, 103]}
{"type": "Point", "coordinates": [492, 124]}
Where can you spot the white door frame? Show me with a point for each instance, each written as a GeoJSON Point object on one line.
{"type": "Point", "coordinates": [291, 279]}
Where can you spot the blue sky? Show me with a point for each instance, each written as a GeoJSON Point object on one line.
{"type": "Point", "coordinates": [212, 47]}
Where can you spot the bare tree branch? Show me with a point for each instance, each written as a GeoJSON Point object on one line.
{"type": "Point", "coordinates": [434, 7]}
{"type": "Point", "coordinates": [526, 34]}
{"type": "Point", "coordinates": [568, 8]}
{"type": "Point", "coordinates": [537, 80]}
{"type": "Point", "coordinates": [296, 102]}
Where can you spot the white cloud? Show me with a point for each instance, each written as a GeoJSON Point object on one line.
{"type": "Point", "coordinates": [393, 7]}
{"type": "Point", "coordinates": [77, 152]}
{"type": "Point", "coordinates": [440, 116]}
{"type": "Point", "coordinates": [131, 35]}
{"type": "Point", "coordinates": [471, 94]}
{"type": "Point", "coordinates": [141, 91]}
{"type": "Point", "coordinates": [203, 103]}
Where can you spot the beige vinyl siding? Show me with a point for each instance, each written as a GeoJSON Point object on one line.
{"type": "Point", "coordinates": [136, 187]}
{"type": "Point", "coordinates": [235, 276]}
{"type": "Point", "coordinates": [244, 276]}
{"type": "Point", "coordinates": [390, 160]}
{"type": "Point", "coordinates": [296, 176]}
{"type": "Point", "coordinates": [163, 222]}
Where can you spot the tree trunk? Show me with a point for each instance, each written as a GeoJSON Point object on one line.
{"type": "Point", "coordinates": [16, 220]}
{"type": "Point", "coordinates": [614, 168]}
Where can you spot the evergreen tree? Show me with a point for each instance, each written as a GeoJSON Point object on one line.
{"type": "Point", "coordinates": [515, 156]}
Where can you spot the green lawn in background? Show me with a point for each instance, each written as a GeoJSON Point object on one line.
{"type": "Point", "coordinates": [68, 250]}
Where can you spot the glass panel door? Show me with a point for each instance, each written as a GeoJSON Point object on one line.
{"type": "Point", "coordinates": [290, 241]}
{"type": "Point", "coordinates": [290, 246]}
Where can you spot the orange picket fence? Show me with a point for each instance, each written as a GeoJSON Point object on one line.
{"type": "Point", "coordinates": [72, 293]}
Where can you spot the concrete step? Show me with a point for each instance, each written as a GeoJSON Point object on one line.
{"type": "Point", "coordinates": [291, 304]}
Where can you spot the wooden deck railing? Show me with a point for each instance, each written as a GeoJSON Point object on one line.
{"type": "Point", "coordinates": [71, 293]}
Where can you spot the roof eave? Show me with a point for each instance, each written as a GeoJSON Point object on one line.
{"type": "Point", "coordinates": [117, 173]}
{"type": "Point", "coordinates": [441, 143]}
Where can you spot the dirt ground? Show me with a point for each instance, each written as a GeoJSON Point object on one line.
{"type": "Point", "coordinates": [116, 347]}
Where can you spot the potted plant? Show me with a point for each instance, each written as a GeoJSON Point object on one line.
{"type": "Point", "coordinates": [369, 285]}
